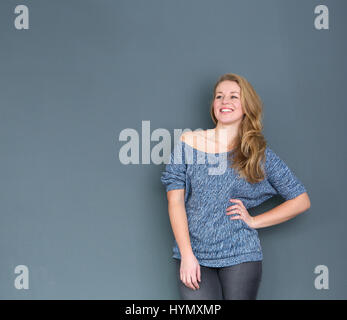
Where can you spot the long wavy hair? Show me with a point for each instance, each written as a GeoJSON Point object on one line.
{"type": "Point", "coordinates": [248, 156]}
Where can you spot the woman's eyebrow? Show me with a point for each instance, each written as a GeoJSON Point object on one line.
{"type": "Point", "coordinates": [230, 92]}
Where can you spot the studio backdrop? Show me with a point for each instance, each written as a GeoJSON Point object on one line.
{"type": "Point", "coordinates": [82, 216]}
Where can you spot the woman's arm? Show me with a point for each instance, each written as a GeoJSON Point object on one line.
{"type": "Point", "coordinates": [179, 222]}
{"type": "Point", "coordinates": [190, 269]}
{"type": "Point", "coordinates": [283, 212]}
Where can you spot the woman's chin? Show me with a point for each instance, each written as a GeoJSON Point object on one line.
{"type": "Point", "coordinates": [226, 121]}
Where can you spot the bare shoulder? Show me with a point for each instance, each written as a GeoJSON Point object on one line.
{"type": "Point", "coordinates": [195, 139]}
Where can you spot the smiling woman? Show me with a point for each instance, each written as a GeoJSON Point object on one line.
{"type": "Point", "coordinates": [217, 248]}
{"type": "Point", "coordinates": [243, 126]}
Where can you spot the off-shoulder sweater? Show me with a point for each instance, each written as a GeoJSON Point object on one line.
{"type": "Point", "coordinates": [209, 184]}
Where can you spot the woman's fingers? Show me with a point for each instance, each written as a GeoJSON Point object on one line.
{"type": "Point", "coordinates": [190, 281]}
{"type": "Point", "coordinates": [190, 272]}
{"type": "Point", "coordinates": [194, 280]}
{"type": "Point", "coordinates": [233, 209]}
{"type": "Point", "coordinates": [186, 281]}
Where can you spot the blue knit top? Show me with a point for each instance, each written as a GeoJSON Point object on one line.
{"type": "Point", "coordinates": [209, 184]}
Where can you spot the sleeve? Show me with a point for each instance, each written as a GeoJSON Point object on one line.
{"type": "Point", "coordinates": [174, 175]}
{"type": "Point", "coordinates": [282, 179]}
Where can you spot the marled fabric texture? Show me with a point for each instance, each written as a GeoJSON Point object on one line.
{"type": "Point", "coordinates": [216, 240]}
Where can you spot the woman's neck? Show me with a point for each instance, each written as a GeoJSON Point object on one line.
{"type": "Point", "coordinates": [225, 136]}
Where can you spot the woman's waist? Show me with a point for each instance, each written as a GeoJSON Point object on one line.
{"type": "Point", "coordinates": [220, 231]}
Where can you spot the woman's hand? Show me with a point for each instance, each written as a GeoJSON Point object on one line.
{"type": "Point", "coordinates": [241, 212]}
{"type": "Point", "coordinates": [190, 271]}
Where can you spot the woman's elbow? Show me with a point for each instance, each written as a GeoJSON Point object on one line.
{"type": "Point", "coordinates": [305, 202]}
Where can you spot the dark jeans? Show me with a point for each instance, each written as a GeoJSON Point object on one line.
{"type": "Point", "coordinates": [238, 282]}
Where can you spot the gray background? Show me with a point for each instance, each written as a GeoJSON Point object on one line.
{"type": "Point", "coordinates": [89, 227]}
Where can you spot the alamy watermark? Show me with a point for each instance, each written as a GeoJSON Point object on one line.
{"type": "Point", "coordinates": [322, 280]}
{"type": "Point", "coordinates": [21, 21]}
{"type": "Point", "coordinates": [321, 21]}
{"type": "Point", "coordinates": [161, 152]}
{"type": "Point", "coordinates": [22, 280]}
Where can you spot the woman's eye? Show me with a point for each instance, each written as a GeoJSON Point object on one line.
{"type": "Point", "coordinates": [217, 97]}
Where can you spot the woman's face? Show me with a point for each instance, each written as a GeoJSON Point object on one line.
{"type": "Point", "coordinates": [227, 103]}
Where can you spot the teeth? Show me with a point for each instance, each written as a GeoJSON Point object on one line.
{"type": "Point", "coordinates": [226, 110]}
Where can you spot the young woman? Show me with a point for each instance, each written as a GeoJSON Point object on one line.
{"type": "Point", "coordinates": [217, 249]}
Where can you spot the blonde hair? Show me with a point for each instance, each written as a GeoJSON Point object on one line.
{"type": "Point", "coordinates": [249, 151]}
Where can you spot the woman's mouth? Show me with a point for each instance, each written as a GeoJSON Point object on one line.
{"type": "Point", "coordinates": [226, 110]}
